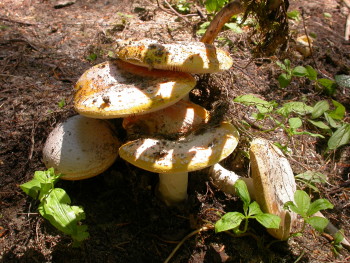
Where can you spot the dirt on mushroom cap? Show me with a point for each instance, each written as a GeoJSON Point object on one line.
{"type": "Point", "coordinates": [194, 152]}
{"type": "Point", "coordinates": [192, 57]}
{"type": "Point", "coordinates": [116, 89]}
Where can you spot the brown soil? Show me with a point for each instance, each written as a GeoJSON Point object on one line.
{"type": "Point", "coordinates": [44, 50]}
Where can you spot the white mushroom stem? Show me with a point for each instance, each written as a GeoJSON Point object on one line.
{"type": "Point", "coordinates": [173, 187]}
{"type": "Point", "coordinates": [225, 180]}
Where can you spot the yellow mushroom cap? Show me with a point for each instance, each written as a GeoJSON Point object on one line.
{"type": "Point", "coordinates": [194, 152]}
{"type": "Point", "coordinates": [81, 148]}
{"type": "Point", "coordinates": [179, 118]}
{"type": "Point", "coordinates": [191, 57]}
{"type": "Point", "coordinates": [116, 89]}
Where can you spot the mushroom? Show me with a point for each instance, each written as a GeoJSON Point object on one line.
{"type": "Point", "coordinates": [173, 121]}
{"type": "Point", "coordinates": [173, 159]}
{"type": "Point", "coordinates": [115, 89]}
{"type": "Point", "coordinates": [81, 148]}
{"type": "Point", "coordinates": [192, 57]}
{"type": "Point", "coordinates": [272, 183]}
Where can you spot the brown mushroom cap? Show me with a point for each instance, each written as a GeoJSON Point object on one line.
{"type": "Point", "coordinates": [274, 183]}
{"type": "Point", "coordinates": [116, 89]}
{"type": "Point", "coordinates": [81, 148]}
{"type": "Point", "coordinates": [177, 119]}
{"type": "Point", "coordinates": [194, 152]}
{"type": "Point", "coordinates": [192, 57]}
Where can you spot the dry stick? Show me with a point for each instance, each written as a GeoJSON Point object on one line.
{"type": "Point", "coordinates": [173, 10]}
{"type": "Point", "coordinates": [233, 8]}
{"type": "Point", "coordinates": [347, 28]}
{"type": "Point", "coordinates": [205, 228]}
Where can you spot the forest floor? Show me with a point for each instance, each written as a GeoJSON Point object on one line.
{"type": "Point", "coordinates": [45, 48]}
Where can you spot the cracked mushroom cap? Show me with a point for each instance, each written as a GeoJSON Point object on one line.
{"type": "Point", "coordinates": [81, 148]}
{"type": "Point", "coordinates": [191, 57]}
{"type": "Point", "coordinates": [274, 184]}
{"type": "Point", "coordinates": [194, 152]}
{"type": "Point", "coordinates": [115, 89]}
{"type": "Point", "coordinates": [177, 119]}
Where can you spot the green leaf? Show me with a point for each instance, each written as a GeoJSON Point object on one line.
{"type": "Point", "coordinates": [268, 220]}
{"type": "Point", "coordinates": [311, 73]}
{"type": "Point", "coordinates": [297, 107]}
{"type": "Point", "coordinates": [327, 15]}
{"type": "Point", "coordinates": [284, 80]}
{"type": "Point", "coordinates": [202, 28]}
{"type": "Point", "coordinates": [343, 80]}
{"type": "Point", "coordinates": [331, 121]}
{"type": "Point", "coordinates": [320, 124]}
{"type": "Point", "coordinates": [92, 57]}
{"type": "Point", "coordinates": [312, 177]}
{"type": "Point", "coordinates": [318, 205]}
{"type": "Point", "coordinates": [340, 137]}
{"type": "Point", "coordinates": [328, 84]}
{"type": "Point", "coordinates": [64, 217]}
{"type": "Point", "coordinates": [254, 209]}
{"type": "Point", "coordinates": [242, 192]}
{"type": "Point", "coordinates": [295, 123]}
{"type": "Point", "coordinates": [294, 14]}
{"type": "Point", "coordinates": [339, 112]}
{"type": "Point", "coordinates": [302, 201]}
{"type": "Point", "coordinates": [339, 236]}
{"type": "Point", "coordinates": [42, 182]}
{"type": "Point", "coordinates": [229, 221]}
{"type": "Point", "coordinates": [300, 71]}
{"type": "Point", "coordinates": [250, 100]}
{"type": "Point", "coordinates": [61, 103]}
{"type": "Point", "coordinates": [320, 108]}
{"type": "Point", "coordinates": [234, 27]}
{"type": "Point", "coordinates": [319, 223]}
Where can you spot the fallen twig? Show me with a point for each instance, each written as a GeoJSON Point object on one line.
{"type": "Point", "coordinates": [195, 232]}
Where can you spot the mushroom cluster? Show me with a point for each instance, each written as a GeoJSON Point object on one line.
{"type": "Point", "coordinates": [147, 85]}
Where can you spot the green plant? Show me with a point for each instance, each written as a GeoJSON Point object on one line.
{"type": "Point", "coordinates": [303, 206]}
{"type": "Point", "coordinates": [61, 103]}
{"type": "Point", "coordinates": [327, 85]}
{"type": "Point", "coordinates": [55, 205]}
{"type": "Point", "coordinates": [251, 210]}
{"type": "Point", "coordinates": [294, 15]}
{"type": "Point", "coordinates": [311, 178]}
{"type": "Point", "coordinates": [183, 6]}
{"type": "Point", "coordinates": [214, 6]}
{"type": "Point", "coordinates": [290, 116]}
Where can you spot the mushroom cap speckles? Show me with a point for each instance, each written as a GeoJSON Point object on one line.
{"type": "Point", "coordinates": [116, 89]}
{"type": "Point", "coordinates": [81, 148]}
{"type": "Point", "coordinates": [192, 57]}
{"type": "Point", "coordinates": [194, 152]}
{"type": "Point", "coordinates": [177, 119]}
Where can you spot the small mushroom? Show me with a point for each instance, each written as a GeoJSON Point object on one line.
{"type": "Point", "coordinates": [192, 57]}
{"type": "Point", "coordinates": [115, 89]}
{"type": "Point", "coordinates": [173, 159]}
{"type": "Point", "coordinates": [81, 148]}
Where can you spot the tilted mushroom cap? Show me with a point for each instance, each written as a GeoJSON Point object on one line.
{"type": "Point", "coordinates": [274, 183]}
{"type": "Point", "coordinates": [81, 148]}
{"type": "Point", "coordinates": [177, 119]}
{"type": "Point", "coordinates": [192, 57]}
{"type": "Point", "coordinates": [116, 89]}
{"type": "Point", "coordinates": [194, 152]}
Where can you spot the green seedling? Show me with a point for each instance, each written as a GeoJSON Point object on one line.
{"type": "Point", "coordinates": [327, 85]}
{"type": "Point", "coordinates": [251, 210]}
{"type": "Point", "coordinates": [292, 116]}
{"type": "Point", "coordinates": [311, 178]}
{"type": "Point", "coordinates": [61, 103]}
{"type": "Point", "coordinates": [183, 6]}
{"type": "Point", "coordinates": [92, 57]}
{"type": "Point", "coordinates": [55, 205]}
{"type": "Point", "coordinates": [294, 15]}
{"type": "Point", "coordinates": [303, 206]}
{"type": "Point", "coordinates": [213, 6]}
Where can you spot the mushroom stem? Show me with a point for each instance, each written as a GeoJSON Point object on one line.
{"type": "Point", "coordinates": [172, 187]}
{"type": "Point", "coordinates": [225, 180]}
{"type": "Point", "coordinates": [233, 8]}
